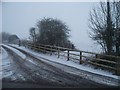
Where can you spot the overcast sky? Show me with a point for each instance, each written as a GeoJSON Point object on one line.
{"type": "Point", "coordinates": [18, 17]}
{"type": "Point", "coordinates": [0, 22]}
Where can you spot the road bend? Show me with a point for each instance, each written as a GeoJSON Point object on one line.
{"type": "Point", "coordinates": [35, 73]}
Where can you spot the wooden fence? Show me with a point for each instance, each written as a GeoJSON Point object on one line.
{"type": "Point", "coordinates": [108, 62]}
{"type": "Point", "coordinates": [0, 48]}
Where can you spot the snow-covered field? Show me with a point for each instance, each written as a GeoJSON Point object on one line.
{"type": "Point", "coordinates": [63, 61]}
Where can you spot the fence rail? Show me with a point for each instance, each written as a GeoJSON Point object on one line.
{"type": "Point", "coordinates": [105, 61]}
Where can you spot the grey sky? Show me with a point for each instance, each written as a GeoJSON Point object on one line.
{"type": "Point", "coordinates": [18, 17]}
{"type": "Point", "coordinates": [0, 17]}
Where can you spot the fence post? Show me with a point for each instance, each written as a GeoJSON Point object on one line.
{"type": "Point", "coordinates": [50, 50]}
{"type": "Point", "coordinates": [44, 49]}
{"type": "Point", "coordinates": [40, 48]}
{"type": "Point", "coordinates": [58, 53]}
{"type": "Point", "coordinates": [96, 55]}
{"type": "Point", "coordinates": [26, 44]}
{"type": "Point", "coordinates": [68, 56]}
{"type": "Point", "coordinates": [118, 67]}
{"type": "Point", "coordinates": [33, 46]}
{"type": "Point", "coordinates": [80, 57]}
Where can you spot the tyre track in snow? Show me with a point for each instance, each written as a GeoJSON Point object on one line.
{"type": "Point", "coordinates": [22, 68]}
{"type": "Point", "coordinates": [84, 74]}
{"type": "Point", "coordinates": [48, 75]}
{"type": "Point", "coordinates": [36, 79]}
{"type": "Point", "coordinates": [12, 69]}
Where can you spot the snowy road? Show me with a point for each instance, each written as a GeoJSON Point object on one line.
{"type": "Point", "coordinates": [26, 68]}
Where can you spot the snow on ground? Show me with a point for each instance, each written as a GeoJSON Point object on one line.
{"type": "Point", "coordinates": [69, 63]}
{"type": "Point", "coordinates": [78, 53]}
{"type": "Point", "coordinates": [30, 60]}
{"type": "Point", "coordinates": [77, 56]}
{"type": "Point", "coordinates": [21, 76]}
{"type": "Point", "coordinates": [7, 71]}
{"type": "Point", "coordinates": [13, 78]}
{"type": "Point", "coordinates": [5, 64]}
{"type": "Point", "coordinates": [17, 52]}
{"type": "Point", "coordinates": [7, 74]}
{"type": "Point", "coordinates": [4, 54]}
{"type": "Point", "coordinates": [0, 61]}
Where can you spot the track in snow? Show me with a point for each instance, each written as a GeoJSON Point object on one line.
{"type": "Point", "coordinates": [36, 71]}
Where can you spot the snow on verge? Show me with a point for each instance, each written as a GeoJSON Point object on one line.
{"type": "Point", "coordinates": [16, 51]}
{"type": "Point", "coordinates": [70, 63]}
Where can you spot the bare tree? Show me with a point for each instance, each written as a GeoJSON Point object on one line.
{"type": "Point", "coordinates": [33, 35]}
{"type": "Point", "coordinates": [104, 24]}
{"type": "Point", "coordinates": [116, 23]}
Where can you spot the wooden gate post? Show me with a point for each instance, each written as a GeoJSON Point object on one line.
{"type": "Point", "coordinates": [80, 57]}
{"type": "Point", "coordinates": [58, 53]}
{"type": "Point", "coordinates": [96, 55]}
{"type": "Point", "coordinates": [44, 50]}
{"type": "Point", "coordinates": [118, 67]}
{"type": "Point", "coordinates": [68, 56]}
{"type": "Point", "coordinates": [50, 50]}
{"type": "Point", "coordinates": [39, 48]}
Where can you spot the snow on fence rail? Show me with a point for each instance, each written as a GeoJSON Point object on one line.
{"type": "Point", "coordinates": [105, 61]}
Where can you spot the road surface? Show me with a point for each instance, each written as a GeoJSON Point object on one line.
{"type": "Point", "coordinates": [33, 72]}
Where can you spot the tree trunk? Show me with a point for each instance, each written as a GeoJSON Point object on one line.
{"type": "Point", "coordinates": [109, 29]}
